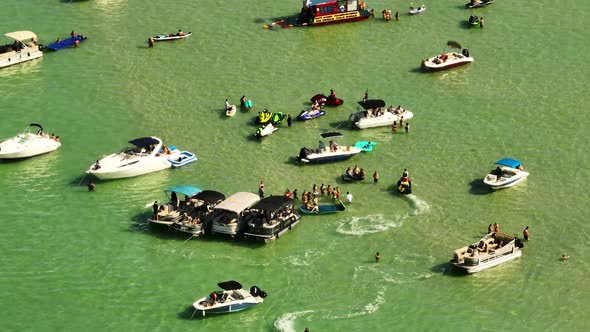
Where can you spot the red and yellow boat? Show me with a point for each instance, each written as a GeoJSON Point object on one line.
{"type": "Point", "coordinates": [322, 12]}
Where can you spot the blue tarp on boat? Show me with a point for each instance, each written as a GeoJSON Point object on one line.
{"type": "Point", "coordinates": [508, 162]}
{"type": "Point", "coordinates": [65, 43]}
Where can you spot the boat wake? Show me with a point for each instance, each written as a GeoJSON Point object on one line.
{"type": "Point", "coordinates": [367, 309]}
{"type": "Point", "coordinates": [286, 323]}
{"type": "Point", "coordinates": [374, 223]}
{"type": "Point", "coordinates": [419, 206]}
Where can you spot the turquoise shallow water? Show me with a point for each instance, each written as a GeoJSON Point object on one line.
{"type": "Point", "coordinates": [75, 260]}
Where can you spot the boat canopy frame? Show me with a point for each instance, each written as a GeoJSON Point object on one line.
{"type": "Point", "coordinates": [372, 103]}
{"type": "Point", "coordinates": [229, 285]}
{"type": "Point", "coordinates": [21, 35]}
{"type": "Point", "coordinates": [509, 162]}
{"type": "Point", "coordinates": [273, 203]}
{"type": "Point", "coordinates": [238, 202]}
{"type": "Point", "coordinates": [210, 196]}
{"type": "Point", "coordinates": [143, 142]}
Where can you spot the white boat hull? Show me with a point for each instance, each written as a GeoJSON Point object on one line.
{"type": "Point", "coordinates": [490, 264]}
{"type": "Point", "coordinates": [326, 156]}
{"type": "Point", "coordinates": [27, 145]}
{"type": "Point", "coordinates": [114, 167]}
{"type": "Point", "coordinates": [494, 182]}
{"type": "Point", "coordinates": [386, 119]}
{"type": "Point", "coordinates": [236, 300]}
{"type": "Point", "coordinates": [454, 59]}
{"type": "Point", "coordinates": [26, 54]}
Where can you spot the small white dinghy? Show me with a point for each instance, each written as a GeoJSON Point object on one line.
{"type": "Point", "coordinates": [29, 144]}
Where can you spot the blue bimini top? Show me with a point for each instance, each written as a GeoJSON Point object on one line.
{"type": "Point", "coordinates": [509, 162]}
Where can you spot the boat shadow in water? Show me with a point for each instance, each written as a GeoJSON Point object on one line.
{"type": "Point", "coordinates": [341, 125]}
{"type": "Point", "coordinates": [479, 188]}
{"type": "Point", "coordinates": [448, 269]}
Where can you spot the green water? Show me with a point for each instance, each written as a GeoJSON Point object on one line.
{"type": "Point", "coordinates": [74, 260]}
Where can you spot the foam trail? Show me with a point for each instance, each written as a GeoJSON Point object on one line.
{"type": "Point", "coordinates": [286, 323]}
{"type": "Point", "coordinates": [420, 206]}
{"type": "Point", "coordinates": [374, 223]}
{"type": "Point", "coordinates": [369, 308]}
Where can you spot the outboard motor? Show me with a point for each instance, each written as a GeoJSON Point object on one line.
{"type": "Point", "coordinates": [255, 291]}
{"type": "Point", "coordinates": [518, 243]}
{"type": "Point", "coordinates": [465, 52]}
{"type": "Point", "coordinates": [302, 153]}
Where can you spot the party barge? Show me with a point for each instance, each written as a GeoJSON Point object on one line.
{"type": "Point", "coordinates": [321, 12]}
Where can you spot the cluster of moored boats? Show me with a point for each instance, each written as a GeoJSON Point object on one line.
{"type": "Point", "coordinates": [245, 214]}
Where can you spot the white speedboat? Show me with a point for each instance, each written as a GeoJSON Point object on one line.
{"type": "Point", "coordinates": [271, 217]}
{"type": "Point", "coordinates": [227, 215]}
{"type": "Point", "coordinates": [376, 115]}
{"type": "Point", "coordinates": [31, 142]}
{"type": "Point", "coordinates": [174, 209]}
{"type": "Point", "coordinates": [23, 48]}
{"type": "Point", "coordinates": [200, 214]}
{"type": "Point", "coordinates": [449, 59]}
{"type": "Point", "coordinates": [147, 155]}
{"type": "Point", "coordinates": [493, 249]}
{"type": "Point", "coordinates": [327, 154]}
{"type": "Point", "coordinates": [232, 298]}
{"type": "Point", "coordinates": [508, 173]}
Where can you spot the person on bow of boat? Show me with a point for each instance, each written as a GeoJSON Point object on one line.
{"type": "Point", "coordinates": [180, 33]}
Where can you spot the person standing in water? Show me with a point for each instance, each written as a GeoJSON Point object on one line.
{"type": "Point", "coordinates": [525, 233]}
{"type": "Point", "coordinates": [261, 189]}
{"type": "Point", "coordinates": [377, 257]}
{"type": "Point", "coordinates": [151, 42]}
{"type": "Point", "coordinates": [376, 177]}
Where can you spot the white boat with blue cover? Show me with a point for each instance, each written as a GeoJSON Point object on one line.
{"type": "Point", "coordinates": [230, 299]}
{"type": "Point", "coordinates": [33, 141]}
{"type": "Point", "coordinates": [508, 172]}
{"type": "Point", "coordinates": [172, 211]}
{"type": "Point", "coordinates": [147, 155]}
{"type": "Point", "coordinates": [327, 154]}
{"type": "Point", "coordinates": [492, 250]}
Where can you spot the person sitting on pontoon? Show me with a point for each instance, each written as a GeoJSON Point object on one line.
{"type": "Point", "coordinates": [180, 33]}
